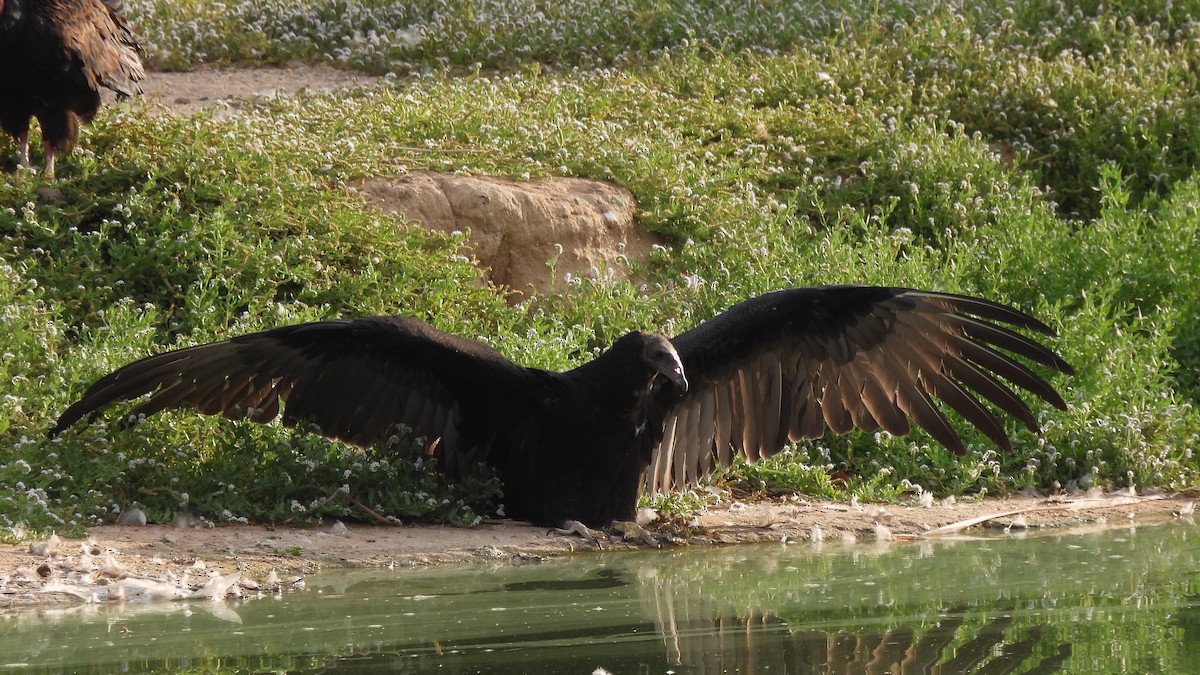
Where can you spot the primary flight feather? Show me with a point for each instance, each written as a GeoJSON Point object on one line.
{"type": "Point", "coordinates": [650, 412]}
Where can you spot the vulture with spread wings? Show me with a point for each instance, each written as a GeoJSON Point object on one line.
{"type": "Point", "coordinates": [650, 412]}
{"type": "Point", "coordinates": [55, 56]}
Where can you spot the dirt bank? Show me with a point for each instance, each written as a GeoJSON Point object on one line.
{"type": "Point", "coordinates": [89, 570]}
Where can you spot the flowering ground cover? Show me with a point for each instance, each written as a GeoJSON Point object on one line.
{"type": "Point", "coordinates": [1040, 154]}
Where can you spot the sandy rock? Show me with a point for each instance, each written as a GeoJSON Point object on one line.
{"type": "Point", "coordinates": [526, 234]}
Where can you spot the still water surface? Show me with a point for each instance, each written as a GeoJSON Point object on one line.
{"type": "Point", "coordinates": [1124, 601]}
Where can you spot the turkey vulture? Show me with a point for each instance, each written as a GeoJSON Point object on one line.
{"type": "Point", "coordinates": [55, 55]}
{"type": "Point", "coordinates": [650, 412]}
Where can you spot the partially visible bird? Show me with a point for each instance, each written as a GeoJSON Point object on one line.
{"type": "Point", "coordinates": [55, 56]}
{"type": "Point", "coordinates": [650, 412]}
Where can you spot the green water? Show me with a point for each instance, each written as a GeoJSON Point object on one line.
{"type": "Point", "coordinates": [1124, 600]}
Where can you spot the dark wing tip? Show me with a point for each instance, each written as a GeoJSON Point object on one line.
{"type": "Point", "coordinates": [1001, 314]}
{"type": "Point", "coordinates": [70, 416]}
{"type": "Point", "coordinates": [986, 309]}
{"type": "Point", "coordinates": [102, 392]}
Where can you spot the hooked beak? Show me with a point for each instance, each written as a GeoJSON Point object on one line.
{"type": "Point", "coordinates": [660, 355]}
{"type": "Point", "coordinates": [673, 371]}
{"type": "Point", "coordinates": [676, 376]}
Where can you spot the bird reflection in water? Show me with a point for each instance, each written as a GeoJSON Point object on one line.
{"type": "Point", "coordinates": [754, 641]}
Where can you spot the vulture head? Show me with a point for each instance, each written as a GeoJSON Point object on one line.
{"type": "Point", "coordinates": [660, 356]}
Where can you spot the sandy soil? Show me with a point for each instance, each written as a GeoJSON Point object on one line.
{"type": "Point", "coordinates": [224, 88]}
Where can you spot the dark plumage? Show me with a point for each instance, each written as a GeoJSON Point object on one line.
{"type": "Point", "coordinates": [55, 55]}
{"type": "Point", "coordinates": [582, 444]}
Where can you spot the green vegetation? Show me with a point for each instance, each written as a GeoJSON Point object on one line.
{"type": "Point", "coordinates": [1038, 154]}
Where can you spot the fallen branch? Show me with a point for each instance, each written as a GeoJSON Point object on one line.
{"type": "Point", "coordinates": [1081, 505]}
{"type": "Point", "coordinates": [375, 515]}
{"type": "Point", "coordinates": [382, 520]}
{"type": "Point", "coordinates": [318, 504]}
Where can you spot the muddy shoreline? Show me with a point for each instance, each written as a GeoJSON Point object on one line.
{"type": "Point", "coordinates": [273, 559]}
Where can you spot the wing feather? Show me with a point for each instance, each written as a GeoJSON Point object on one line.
{"type": "Point", "coordinates": [933, 358]}
{"type": "Point", "coordinates": [101, 44]}
{"type": "Point", "coordinates": [954, 339]}
{"type": "Point", "coordinates": [916, 404]}
{"type": "Point", "coordinates": [886, 377]}
{"type": "Point", "coordinates": [833, 404]}
{"type": "Point", "coordinates": [700, 454]}
{"type": "Point", "coordinates": [747, 387]}
{"type": "Point", "coordinates": [934, 368]}
{"type": "Point", "coordinates": [267, 406]}
{"type": "Point", "coordinates": [723, 401]}
{"type": "Point", "coordinates": [771, 397]}
{"type": "Point", "coordinates": [679, 453]}
{"type": "Point", "coordinates": [877, 405]}
{"type": "Point", "coordinates": [810, 420]}
{"type": "Point", "coordinates": [665, 458]}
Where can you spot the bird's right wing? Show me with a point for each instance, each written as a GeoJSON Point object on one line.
{"type": "Point", "coordinates": [790, 364]}
{"type": "Point", "coordinates": [357, 380]}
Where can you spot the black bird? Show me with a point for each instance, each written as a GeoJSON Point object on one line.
{"type": "Point", "coordinates": [649, 412]}
{"type": "Point", "coordinates": [55, 56]}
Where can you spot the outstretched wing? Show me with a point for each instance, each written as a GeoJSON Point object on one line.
{"type": "Point", "coordinates": [357, 380]}
{"type": "Point", "coordinates": [788, 364]}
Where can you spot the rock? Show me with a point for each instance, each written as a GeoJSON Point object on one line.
{"type": "Point", "coordinates": [132, 516]}
{"type": "Point", "coordinates": [527, 234]}
{"type": "Point", "coordinates": [44, 549]}
{"type": "Point", "coordinates": [50, 196]}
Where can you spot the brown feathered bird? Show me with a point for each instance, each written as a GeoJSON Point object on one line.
{"type": "Point", "coordinates": [650, 412]}
{"type": "Point", "coordinates": [55, 56]}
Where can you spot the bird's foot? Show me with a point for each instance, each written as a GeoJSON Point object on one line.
{"type": "Point", "coordinates": [594, 537]}
{"type": "Point", "coordinates": [23, 154]}
{"type": "Point", "coordinates": [629, 529]}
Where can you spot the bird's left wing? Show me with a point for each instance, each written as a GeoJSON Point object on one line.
{"type": "Point", "coordinates": [788, 364]}
{"type": "Point", "coordinates": [358, 380]}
